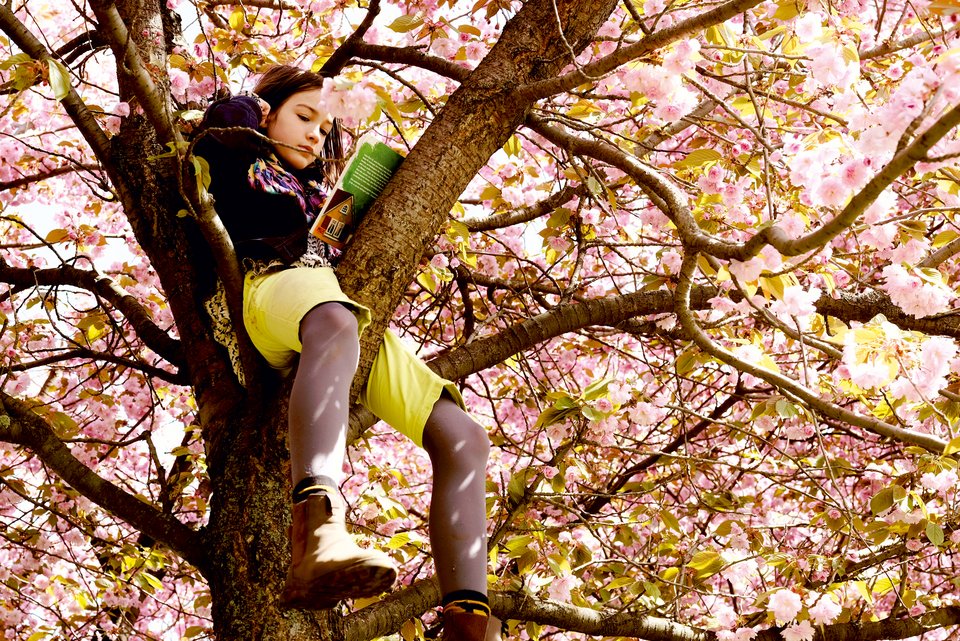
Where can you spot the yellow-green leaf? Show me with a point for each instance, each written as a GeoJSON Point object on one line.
{"type": "Point", "coordinates": [238, 20]}
{"type": "Point", "coordinates": [787, 10]}
{"type": "Point", "coordinates": [952, 447]}
{"type": "Point", "coordinates": [405, 23]}
{"type": "Point", "coordinates": [698, 157]}
{"type": "Point", "coordinates": [398, 540]}
{"type": "Point", "coordinates": [59, 79]}
{"type": "Point", "coordinates": [706, 563]}
{"type": "Point", "coordinates": [57, 236]}
{"type": "Point", "coordinates": [935, 533]}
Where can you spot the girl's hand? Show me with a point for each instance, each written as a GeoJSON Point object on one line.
{"type": "Point", "coordinates": [264, 110]}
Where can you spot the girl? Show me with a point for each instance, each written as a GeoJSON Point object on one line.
{"type": "Point", "coordinates": [267, 196]}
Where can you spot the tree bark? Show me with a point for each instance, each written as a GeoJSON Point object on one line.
{"type": "Point", "coordinates": [476, 121]}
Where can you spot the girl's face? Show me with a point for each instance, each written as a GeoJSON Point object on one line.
{"type": "Point", "coordinates": [301, 122]}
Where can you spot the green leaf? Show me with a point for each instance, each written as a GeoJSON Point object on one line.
{"type": "Point", "coordinates": [59, 79]}
{"type": "Point", "coordinates": [201, 169]}
{"type": "Point", "coordinates": [698, 157]}
{"type": "Point", "coordinates": [935, 533]}
{"type": "Point", "coordinates": [398, 540]}
{"type": "Point", "coordinates": [597, 389]}
{"type": "Point", "coordinates": [404, 24]}
{"type": "Point", "coordinates": [787, 10]}
{"type": "Point", "coordinates": [620, 582]}
{"type": "Point", "coordinates": [15, 59]}
{"type": "Point", "coordinates": [238, 20]}
{"type": "Point", "coordinates": [512, 147]}
{"type": "Point", "coordinates": [670, 520]}
{"type": "Point", "coordinates": [706, 563]}
{"type": "Point", "coordinates": [885, 498]}
{"type": "Point", "coordinates": [952, 447]}
{"type": "Point", "coordinates": [57, 236]}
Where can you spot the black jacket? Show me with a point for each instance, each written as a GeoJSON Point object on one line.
{"type": "Point", "coordinates": [262, 225]}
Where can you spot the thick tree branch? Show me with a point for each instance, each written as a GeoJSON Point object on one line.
{"type": "Point", "coordinates": [154, 101]}
{"type": "Point", "coordinates": [412, 56]}
{"type": "Point", "coordinates": [392, 237]}
{"type": "Point", "coordinates": [72, 102]}
{"type": "Point", "coordinates": [107, 289]}
{"type": "Point", "coordinates": [386, 616]}
{"type": "Point", "coordinates": [262, 4]}
{"type": "Point", "coordinates": [335, 63]}
{"type": "Point", "coordinates": [490, 350]}
{"type": "Point", "coordinates": [590, 72]}
{"type": "Point", "coordinates": [687, 320]}
{"type": "Point", "coordinates": [601, 623]}
{"type": "Point", "coordinates": [20, 425]}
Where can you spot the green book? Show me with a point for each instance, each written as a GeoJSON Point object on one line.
{"type": "Point", "coordinates": [367, 172]}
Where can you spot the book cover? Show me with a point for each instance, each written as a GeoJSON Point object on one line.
{"type": "Point", "coordinates": [366, 174]}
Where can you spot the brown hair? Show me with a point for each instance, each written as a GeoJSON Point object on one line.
{"type": "Point", "coordinates": [276, 86]}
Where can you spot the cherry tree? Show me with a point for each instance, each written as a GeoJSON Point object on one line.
{"type": "Point", "coordinates": [692, 264]}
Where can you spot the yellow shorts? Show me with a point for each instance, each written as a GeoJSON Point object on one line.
{"type": "Point", "coordinates": [401, 390]}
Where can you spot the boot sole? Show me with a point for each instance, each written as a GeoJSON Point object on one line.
{"type": "Point", "coordinates": [326, 591]}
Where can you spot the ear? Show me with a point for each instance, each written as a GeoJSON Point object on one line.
{"type": "Point", "coordinates": [267, 118]}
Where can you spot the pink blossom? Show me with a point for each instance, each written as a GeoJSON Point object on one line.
{"type": "Point", "coordinates": [879, 236]}
{"type": "Point", "coordinates": [723, 305]}
{"type": "Point", "coordinates": [802, 631]}
{"type": "Point", "coordinates": [647, 413]}
{"type": "Point", "coordinates": [798, 303]}
{"type": "Point", "coordinates": [825, 611]}
{"type": "Point", "coordinates": [792, 225]}
{"type": "Point", "coordinates": [671, 261]}
{"type": "Point", "coordinates": [682, 57]}
{"type": "Point", "coordinates": [784, 605]}
{"type": "Point", "coordinates": [910, 252]}
{"type": "Point", "coordinates": [832, 192]}
{"type": "Point", "coordinates": [829, 66]}
{"type": "Point", "coordinates": [798, 430]}
{"type": "Point", "coordinates": [748, 271]}
{"type": "Point", "coordinates": [808, 26]}
{"type": "Point", "coordinates": [941, 483]}
{"type": "Point", "coordinates": [913, 295]}
{"type": "Point", "coordinates": [445, 47]}
{"type": "Point", "coordinates": [914, 545]}
{"type": "Point", "coordinates": [560, 587]}
{"type": "Point", "coordinates": [740, 634]}
{"type": "Point", "coordinates": [559, 243]}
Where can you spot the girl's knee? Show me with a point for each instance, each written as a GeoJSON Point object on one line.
{"type": "Point", "coordinates": [326, 320]}
{"type": "Point", "coordinates": [452, 434]}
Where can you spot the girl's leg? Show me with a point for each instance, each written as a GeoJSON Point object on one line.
{"type": "Point", "coordinates": [458, 449]}
{"type": "Point", "coordinates": [327, 564]}
{"type": "Point", "coordinates": [319, 409]}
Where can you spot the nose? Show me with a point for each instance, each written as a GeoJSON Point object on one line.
{"type": "Point", "coordinates": [316, 134]}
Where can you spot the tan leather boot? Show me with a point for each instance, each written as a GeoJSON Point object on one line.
{"type": "Point", "coordinates": [328, 566]}
{"type": "Point", "coordinates": [467, 626]}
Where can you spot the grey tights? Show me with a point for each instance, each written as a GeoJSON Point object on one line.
{"type": "Point", "coordinates": [458, 447]}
